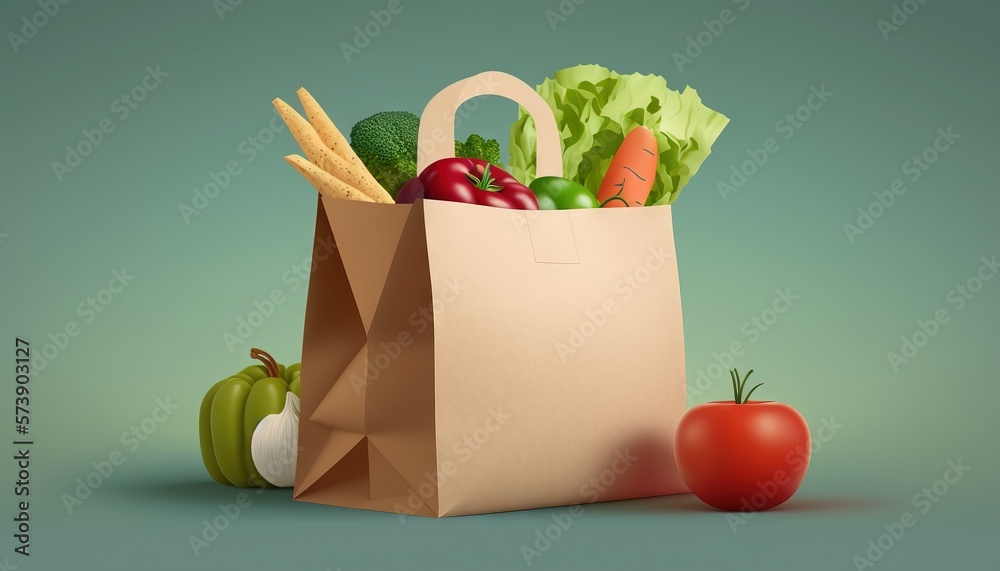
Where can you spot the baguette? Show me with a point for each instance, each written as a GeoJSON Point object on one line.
{"type": "Point", "coordinates": [331, 135]}
{"type": "Point", "coordinates": [325, 183]}
{"type": "Point", "coordinates": [322, 156]}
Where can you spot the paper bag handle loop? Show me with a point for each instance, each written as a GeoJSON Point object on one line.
{"type": "Point", "coordinates": [436, 138]}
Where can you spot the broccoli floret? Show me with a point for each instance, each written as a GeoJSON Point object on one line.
{"type": "Point", "coordinates": [386, 143]}
{"type": "Point", "coordinates": [476, 147]}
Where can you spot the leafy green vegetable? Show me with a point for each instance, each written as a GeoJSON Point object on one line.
{"type": "Point", "coordinates": [595, 108]}
{"type": "Point", "coordinates": [386, 143]}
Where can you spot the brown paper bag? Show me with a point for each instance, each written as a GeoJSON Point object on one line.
{"type": "Point", "coordinates": [462, 359]}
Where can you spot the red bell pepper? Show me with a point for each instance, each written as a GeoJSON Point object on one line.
{"type": "Point", "coordinates": [473, 181]}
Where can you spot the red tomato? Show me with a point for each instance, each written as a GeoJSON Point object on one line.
{"type": "Point", "coordinates": [750, 456]}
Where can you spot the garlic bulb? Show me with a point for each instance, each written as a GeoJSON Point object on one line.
{"type": "Point", "coordinates": [275, 444]}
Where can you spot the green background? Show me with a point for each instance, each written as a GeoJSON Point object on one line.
{"type": "Point", "coordinates": [162, 337]}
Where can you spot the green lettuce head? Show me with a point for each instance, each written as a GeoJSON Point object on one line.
{"type": "Point", "coordinates": [595, 108]}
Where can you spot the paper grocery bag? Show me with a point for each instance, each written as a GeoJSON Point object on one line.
{"type": "Point", "coordinates": [462, 359]}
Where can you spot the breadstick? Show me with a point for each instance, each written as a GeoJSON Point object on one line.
{"type": "Point", "coordinates": [321, 156]}
{"type": "Point", "coordinates": [331, 135]}
{"type": "Point", "coordinates": [325, 183]}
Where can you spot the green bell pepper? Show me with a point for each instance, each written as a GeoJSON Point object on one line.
{"type": "Point", "coordinates": [558, 193]}
{"type": "Point", "coordinates": [230, 412]}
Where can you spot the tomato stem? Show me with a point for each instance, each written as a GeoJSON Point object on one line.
{"type": "Point", "coordinates": [736, 385]}
{"type": "Point", "coordinates": [740, 384]}
{"type": "Point", "coordinates": [747, 398]}
{"type": "Point", "coordinates": [269, 363]}
{"type": "Point", "coordinates": [484, 182]}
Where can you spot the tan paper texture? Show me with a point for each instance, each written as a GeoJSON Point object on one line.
{"type": "Point", "coordinates": [530, 379]}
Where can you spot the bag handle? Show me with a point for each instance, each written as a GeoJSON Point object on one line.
{"type": "Point", "coordinates": [436, 137]}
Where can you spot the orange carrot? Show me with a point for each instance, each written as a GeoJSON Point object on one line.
{"type": "Point", "coordinates": [632, 172]}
